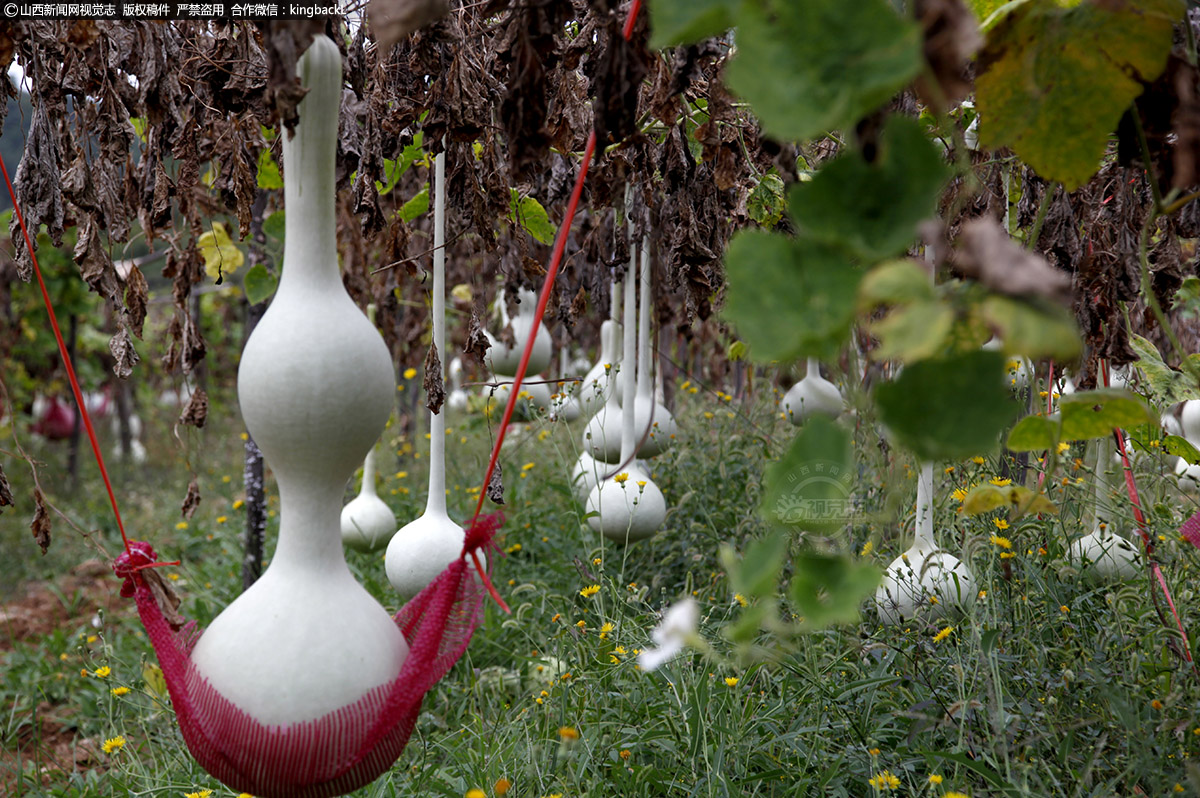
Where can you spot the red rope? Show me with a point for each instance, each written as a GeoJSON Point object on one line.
{"type": "Point", "coordinates": [1143, 529]}
{"type": "Point", "coordinates": [66, 358]}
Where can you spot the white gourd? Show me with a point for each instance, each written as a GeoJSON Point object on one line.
{"type": "Point", "coordinates": [423, 548]}
{"type": "Point", "coordinates": [504, 360]}
{"type": "Point", "coordinates": [1189, 420]}
{"type": "Point", "coordinates": [1017, 369]}
{"type": "Point", "coordinates": [535, 396]}
{"type": "Point", "coordinates": [602, 435]}
{"type": "Point", "coordinates": [1103, 555]}
{"type": "Point", "coordinates": [564, 402]}
{"type": "Point", "coordinates": [925, 579]}
{"type": "Point", "coordinates": [634, 508]}
{"type": "Point", "coordinates": [315, 386]}
{"type": "Point", "coordinates": [597, 385]}
{"type": "Point", "coordinates": [811, 396]}
{"type": "Point", "coordinates": [367, 522]}
{"type": "Point", "coordinates": [457, 401]}
{"type": "Point", "coordinates": [652, 420]}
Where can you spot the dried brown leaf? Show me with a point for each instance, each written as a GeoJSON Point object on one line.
{"type": "Point", "coordinates": [393, 20]}
{"type": "Point", "coordinates": [435, 388]}
{"type": "Point", "coordinates": [167, 599]}
{"type": "Point", "coordinates": [991, 257]}
{"type": "Point", "coordinates": [126, 357]}
{"type": "Point", "coordinates": [41, 521]}
{"type": "Point", "coordinates": [191, 501]}
{"type": "Point", "coordinates": [477, 344]}
{"type": "Point", "coordinates": [196, 412]}
{"type": "Point", "coordinates": [6, 497]}
{"type": "Point", "coordinates": [495, 487]}
{"type": "Point", "coordinates": [38, 186]}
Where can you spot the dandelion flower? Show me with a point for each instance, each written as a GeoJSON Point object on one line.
{"type": "Point", "coordinates": [605, 629]}
{"type": "Point", "coordinates": [590, 591]}
{"type": "Point", "coordinates": [103, 671]}
{"type": "Point", "coordinates": [1000, 523]}
{"type": "Point", "coordinates": [1003, 543]}
{"type": "Point", "coordinates": [113, 744]}
{"type": "Point", "coordinates": [884, 780]}
{"type": "Point", "coordinates": [942, 635]}
{"type": "Point", "coordinates": [1000, 482]}
{"type": "Point", "coordinates": [731, 681]}
{"type": "Point", "coordinates": [568, 733]}
{"type": "Point", "coordinates": [867, 548]}
{"type": "Point", "coordinates": [621, 478]}
{"type": "Point", "coordinates": [198, 794]}
{"type": "Point", "coordinates": [119, 691]}
{"type": "Point", "coordinates": [740, 599]}
{"type": "Point", "coordinates": [959, 494]}
{"type": "Point", "coordinates": [934, 778]}
{"type": "Point", "coordinates": [977, 460]}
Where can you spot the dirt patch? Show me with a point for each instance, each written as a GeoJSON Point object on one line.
{"type": "Point", "coordinates": [47, 738]}
{"type": "Point", "coordinates": [42, 607]}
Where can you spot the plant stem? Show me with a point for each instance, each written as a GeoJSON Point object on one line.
{"type": "Point", "coordinates": [1035, 232]}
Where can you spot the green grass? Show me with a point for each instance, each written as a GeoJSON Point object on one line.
{"type": "Point", "coordinates": [1052, 685]}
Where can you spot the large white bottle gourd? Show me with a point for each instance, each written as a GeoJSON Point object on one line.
{"type": "Point", "coordinates": [925, 579]}
{"type": "Point", "coordinates": [602, 435]}
{"type": "Point", "coordinates": [315, 386]}
{"type": "Point", "coordinates": [634, 508]}
{"type": "Point", "coordinates": [811, 396]}
{"type": "Point", "coordinates": [504, 360]}
{"type": "Point", "coordinates": [423, 548]}
{"type": "Point", "coordinates": [599, 381]}
{"type": "Point", "coordinates": [653, 423]}
{"type": "Point", "coordinates": [1103, 555]}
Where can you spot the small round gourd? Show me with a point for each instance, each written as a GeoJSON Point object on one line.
{"type": "Point", "coordinates": [315, 386]}
{"type": "Point", "coordinates": [504, 360]}
{"type": "Point", "coordinates": [1189, 420]}
{"type": "Point", "coordinates": [367, 522]}
{"type": "Point", "coordinates": [814, 395]}
{"type": "Point", "coordinates": [925, 579]}
{"type": "Point", "coordinates": [1102, 555]}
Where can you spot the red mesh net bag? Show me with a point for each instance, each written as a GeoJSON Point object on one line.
{"type": "Point", "coordinates": [338, 752]}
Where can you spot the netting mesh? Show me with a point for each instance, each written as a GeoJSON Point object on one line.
{"type": "Point", "coordinates": [340, 751]}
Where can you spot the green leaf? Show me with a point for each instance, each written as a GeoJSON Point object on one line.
{"type": "Point", "coordinates": [829, 590]}
{"type": "Point", "coordinates": [893, 283]}
{"type": "Point", "coordinates": [417, 204]}
{"type": "Point", "coordinates": [1181, 447]}
{"type": "Point", "coordinates": [1053, 82]}
{"type": "Point", "coordinates": [765, 204]}
{"type": "Point", "coordinates": [1095, 414]}
{"type": "Point", "coordinates": [259, 284]}
{"type": "Point", "coordinates": [736, 351]}
{"type": "Point", "coordinates": [1036, 329]}
{"type": "Point", "coordinates": [1034, 434]}
{"type": "Point", "coordinates": [754, 574]}
{"type": "Point", "coordinates": [1167, 386]}
{"type": "Point", "coordinates": [686, 21]}
{"type": "Point", "coordinates": [268, 171]}
{"type": "Point", "coordinates": [275, 225]}
{"type": "Point", "coordinates": [808, 68]}
{"type": "Point", "coordinates": [874, 208]}
{"type": "Point", "coordinates": [1021, 500]}
{"type": "Point", "coordinates": [532, 216]}
{"type": "Point", "coordinates": [809, 487]}
{"type": "Point", "coordinates": [948, 408]}
{"type": "Point", "coordinates": [913, 332]}
{"type": "Point", "coordinates": [788, 297]}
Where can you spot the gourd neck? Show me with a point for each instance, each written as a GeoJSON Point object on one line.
{"type": "Point", "coordinates": [310, 246]}
{"type": "Point", "coordinates": [437, 421]}
{"type": "Point", "coordinates": [309, 508]}
{"type": "Point", "coordinates": [627, 385]}
{"type": "Point", "coordinates": [1103, 453]}
{"type": "Point", "coordinates": [643, 333]}
{"type": "Point", "coordinates": [924, 516]}
{"type": "Point", "coordinates": [368, 479]}
{"type": "Point", "coordinates": [814, 369]}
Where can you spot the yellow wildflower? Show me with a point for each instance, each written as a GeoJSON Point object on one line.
{"type": "Point", "coordinates": [1003, 543]}
{"type": "Point", "coordinates": [740, 599]}
{"type": "Point", "coordinates": [182, 525]}
{"type": "Point", "coordinates": [1000, 523]}
{"type": "Point", "coordinates": [527, 466]}
{"type": "Point", "coordinates": [731, 681]}
{"type": "Point", "coordinates": [934, 778]}
{"type": "Point", "coordinates": [867, 548]}
{"type": "Point", "coordinates": [513, 549]}
{"type": "Point", "coordinates": [113, 744]}
{"type": "Point", "coordinates": [119, 691]}
{"type": "Point", "coordinates": [625, 754]}
{"type": "Point", "coordinates": [977, 460]}
{"type": "Point", "coordinates": [238, 504]}
{"type": "Point", "coordinates": [596, 561]}
{"type": "Point", "coordinates": [959, 494]}
{"type": "Point", "coordinates": [956, 794]}
{"type": "Point", "coordinates": [942, 635]}
{"type": "Point", "coordinates": [590, 591]}
{"type": "Point", "coordinates": [198, 794]}
{"type": "Point", "coordinates": [103, 671]}
{"type": "Point", "coordinates": [475, 792]}
{"type": "Point", "coordinates": [222, 519]}
{"type": "Point", "coordinates": [502, 786]}
{"type": "Point", "coordinates": [409, 373]}
{"type": "Point", "coordinates": [621, 478]}
{"type": "Point", "coordinates": [1063, 447]}
{"type": "Point", "coordinates": [605, 629]}
{"type": "Point", "coordinates": [884, 780]}
{"type": "Point", "coordinates": [582, 624]}
{"type": "Point", "coordinates": [568, 733]}
{"type": "Point", "coordinates": [1000, 482]}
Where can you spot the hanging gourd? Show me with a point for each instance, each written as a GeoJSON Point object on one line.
{"type": "Point", "coordinates": [627, 506]}
{"type": "Point", "coordinates": [812, 396]}
{"type": "Point", "coordinates": [654, 425]}
{"type": "Point", "coordinates": [1102, 554]}
{"type": "Point", "coordinates": [599, 382]}
{"type": "Point", "coordinates": [458, 399]}
{"type": "Point", "coordinates": [602, 435]}
{"type": "Point", "coordinates": [315, 386]}
{"type": "Point", "coordinates": [564, 403]}
{"type": "Point", "coordinates": [424, 547]}
{"type": "Point", "coordinates": [502, 359]}
{"type": "Point", "coordinates": [925, 579]}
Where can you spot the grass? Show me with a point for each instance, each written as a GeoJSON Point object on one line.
{"type": "Point", "coordinates": [1051, 685]}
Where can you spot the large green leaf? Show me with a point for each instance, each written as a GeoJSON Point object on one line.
{"type": "Point", "coordinates": [532, 216]}
{"type": "Point", "coordinates": [416, 205]}
{"type": "Point", "coordinates": [221, 256]}
{"type": "Point", "coordinates": [808, 68]}
{"type": "Point", "coordinates": [893, 283]}
{"type": "Point", "coordinates": [1019, 499]}
{"type": "Point", "coordinates": [1035, 434]}
{"type": "Point", "coordinates": [948, 408]}
{"type": "Point", "coordinates": [1036, 329]}
{"type": "Point", "coordinates": [788, 297]}
{"type": "Point", "coordinates": [766, 204]}
{"type": "Point", "coordinates": [810, 486]}
{"type": "Point", "coordinates": [913, 332]}
{"type": "Point", "coordinates": [259, 284]}
{"type": "Point", "coordinates": [268, 171]}
{"type": "Point", "coordinates": [685, 21]}
{"type": "Point", "coordinates": [1095, 414]}
{"type": "Point", "coordinates": [1052, 82]}
{"type": "Point", "coordinates": [754, 573]}
{"type": "Point", "coordinates": [1167, 386]}
{"type": "Point", "coordinates": [874, 208]}
{"type": "Point", "coordinates": [828, 589]}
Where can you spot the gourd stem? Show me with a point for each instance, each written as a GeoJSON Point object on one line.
{"type": "Point", "coordinates": [814, 368]}
{"type": "Point", "coordinates": [627, 385]}
{"type": "Point", "coordinates": [437, 421]}
{"type": "Point", "coordinates": [1103, 447]}
{"type": "Point", "coordinates": [924, 517]}
{"type": "Point", "coordinates": [614, 307]}
{"type": "Point", "coordinates": [643, 336]}
{"type": "Point", "coordinates": [368, 482]}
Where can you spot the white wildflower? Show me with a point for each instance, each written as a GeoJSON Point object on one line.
{"type": "Point", "coordinates": [678, 624]}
